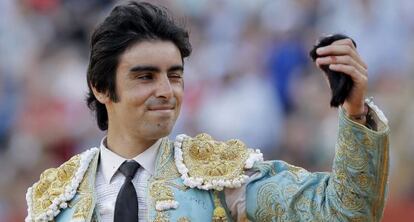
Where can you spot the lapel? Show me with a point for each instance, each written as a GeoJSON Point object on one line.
{"type": "Point", "coordinates": [164, 164]}
{"type": "Point", "coordinates": [83, 204]}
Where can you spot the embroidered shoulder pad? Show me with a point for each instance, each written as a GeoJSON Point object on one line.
{"type": "Point", "coordinates": [56, 187]}
{"type": "Point", "coordinates": [208, 164]}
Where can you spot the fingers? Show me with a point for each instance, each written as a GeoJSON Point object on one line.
{"type": "Point", "coordinates": [345, 59]}
{"type": "Point", "coordinates": [342, 47]}
{"type": "Point", "coordinates": [342, 56]}
{"type": "Point", "coordinates": [350, 70]}
{"type": "Point", "coordinates": [344, 42]}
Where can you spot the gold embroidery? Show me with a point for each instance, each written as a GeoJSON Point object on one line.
{"type": "Point", "coordinates": [83, 207]}
{"type": "Point", "coordinates": [351, 156]}
{"type": "Point", "coordinates": [160, 192]}
{"type": "Point", "coordinates": [297, 172]}
{"type": "Point", "coordinates": [184, 219]}
{"type": "Point", "coordinates": [168, 171]}
{"type": "Point", "coordinates": [352, 178]}
{"type": "Point", "coordinates": [333, 215]}
{"type": "Point", "coordinates": [178, 186]}
{"type": "Point", "coordinates": [166, 151]}
{"type": "Point", "coordinates": [159, 189]}
{"type": "Point", "coordinates": [219, 213]}
{"type": "Point", "coordinates": [161, 217]}
{"type": "Point", "coordinates": [383, 174]}
{"type": "Point", "coordinates": [364, 182]}
{"type": "Point", "coordinates": [166, 168]}
{"type": "Point", "coordinates": [368, 142]}
{"type": "Point", "coordinates": [213, 160]}
{"type": "Point", "coordinates": [73, 202]}
{"type": "Point", "coordinates": [295, 169]}
{"type": "Point", "coordinates": [291, 190]}
{"type": "Point", "coordinates": [267, 200]}
{"type": "Point", "coordinates": [267, 167]}
{"type": "Point", "coordinates": [351, 186]}
{"type": "Point", "coordinates": [52, 183]}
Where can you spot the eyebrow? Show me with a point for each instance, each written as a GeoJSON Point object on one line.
{"type": "Point", "coordinates": [144, 69]}
{"type": "Point", "coordinates": [155, 69]}
{"type": "Point", "coordinates": [176, 68]}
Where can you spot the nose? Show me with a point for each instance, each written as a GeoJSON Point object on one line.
{"type": "Point", "coordinates": [163, 87]}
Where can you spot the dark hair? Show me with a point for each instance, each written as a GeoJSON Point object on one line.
{"type": "Point", "coordinates": [125, 26]}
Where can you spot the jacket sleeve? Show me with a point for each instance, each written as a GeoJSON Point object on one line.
{"type": "Point", "coordinates": [353, 191]}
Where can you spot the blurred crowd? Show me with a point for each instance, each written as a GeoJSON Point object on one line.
{"type": "Point", "coordinates": [249, 77]}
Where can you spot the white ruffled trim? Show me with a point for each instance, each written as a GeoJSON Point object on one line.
{"type": "Point", "coordinates": [200, 183]}
{"type": "Point", "coordinates": [29, 205]}
{"type": "Point", "coordinates": [70, 191]}
{"type": "Point", "coordinates": [254, 155]}
{"type": "Point", "coordinates": [380, 114]}
{"type": "Point", "coordinates": [166, 205]}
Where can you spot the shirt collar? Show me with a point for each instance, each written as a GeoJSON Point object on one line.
{"type": "Point", "coordinates": [110, 161]}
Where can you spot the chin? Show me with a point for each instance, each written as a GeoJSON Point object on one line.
{"type": "Point", "coordinates": [160, 130]}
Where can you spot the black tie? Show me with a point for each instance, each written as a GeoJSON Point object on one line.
{"type": "Point", "coordinates": [126, 206]}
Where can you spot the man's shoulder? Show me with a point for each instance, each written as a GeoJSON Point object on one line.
{"type": "Point", "coordinates": [209, 164]}
{"type": "Point", "coordinates": [57, 186]}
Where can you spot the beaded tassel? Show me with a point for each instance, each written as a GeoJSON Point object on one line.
{"type": "Point", "coordinates": [219, 214]}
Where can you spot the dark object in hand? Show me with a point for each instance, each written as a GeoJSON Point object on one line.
{"type": "Point", "coordinates": [340, 83]}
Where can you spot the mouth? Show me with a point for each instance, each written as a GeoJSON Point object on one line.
{"type": "Point", "coordinates": [161, 108]}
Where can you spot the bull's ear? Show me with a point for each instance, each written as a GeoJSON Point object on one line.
{"type": "Point", "coordinates": [339, 83]}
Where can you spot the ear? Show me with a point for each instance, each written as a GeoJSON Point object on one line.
{"type": "Point", "coordinates": [100, 96]}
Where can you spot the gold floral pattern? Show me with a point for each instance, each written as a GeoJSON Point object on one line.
{"type": "Point", "coordinates": [184, 219]}
{"type": "Point", "coordinates": [160, 185]}
{"type": "Point", "coordinates": [166, 168]}
{"type": "Point", "coordinates": [169, 171]}
{"type": "Point", "coordinates": [57, 187]}
{"type": "Point", "coordinates": [162, 217]}
{"type": "Point", "coordinates": [213, 160]}
{"type": "Point", "coordinates": [84, 207]}
{"type": "Point", "coordinates": [267, 199]}
{"type": "Point", "coordinates": [52, 183]}
{"type": "Point", "coordinates": [160, 192]}
{"type": "Point", "coordinates": [354, 191]}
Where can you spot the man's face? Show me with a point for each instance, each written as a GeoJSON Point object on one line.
{"type": "Point", "coordinates": [149, 85]}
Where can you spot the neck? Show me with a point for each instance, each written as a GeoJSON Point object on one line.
{"type": "Point", "coordinates": [127, 146]}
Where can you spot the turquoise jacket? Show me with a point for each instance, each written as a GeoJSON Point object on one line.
{"type": "Point", "coordinates": [191, 174]}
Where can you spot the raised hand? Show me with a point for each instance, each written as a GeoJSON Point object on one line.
{"type": "Point", "coordinates": [342, 56]}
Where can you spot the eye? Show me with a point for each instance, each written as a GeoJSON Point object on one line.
{"type": "Point", "coordinates": [146, 76]}
{"type": "Point", "coordinates": [175, 75]}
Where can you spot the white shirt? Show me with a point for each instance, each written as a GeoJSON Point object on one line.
{"type": "Point", "coordinates": [109, 181]}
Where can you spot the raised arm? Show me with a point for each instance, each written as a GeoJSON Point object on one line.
{"type": "Point", "coordinates": [353, 191]}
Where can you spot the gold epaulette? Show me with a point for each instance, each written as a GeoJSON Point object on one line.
{"type": "Point", "coordinates": [56, 187]}
{"type": "Point", "coordinates": [209, 164]}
